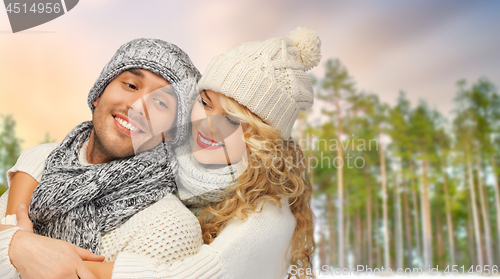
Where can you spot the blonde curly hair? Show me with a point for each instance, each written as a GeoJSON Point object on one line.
{"type": "Point", "coordinates": [276, 170]}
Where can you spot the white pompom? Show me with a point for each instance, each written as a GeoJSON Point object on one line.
{"type": "Point", "coordinates": [309, 45]}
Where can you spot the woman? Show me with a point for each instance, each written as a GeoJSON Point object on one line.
{"type": "Point", "coordinates": [264, 223]}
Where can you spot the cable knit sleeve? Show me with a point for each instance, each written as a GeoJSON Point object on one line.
{"type": "Point", "coordinates": [258, 247]}
{"type": "Point", "coordinates": [32, 161]}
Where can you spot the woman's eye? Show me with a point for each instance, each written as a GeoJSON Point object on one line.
{"type": "Point", "coordinates": [233, 121]}
{"type": "Point", "coordinates": [160, 103]}
{"type": "Point", "coordinates": [201, 101]}
{"type": "Point", "coordinates": [131, 86]}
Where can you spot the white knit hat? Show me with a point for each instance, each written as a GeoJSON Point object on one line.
{"type": "Point", "coordinates": [268, 77]}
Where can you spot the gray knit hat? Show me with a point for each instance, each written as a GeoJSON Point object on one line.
{"type": "Point", "coordinates": [164, 59]}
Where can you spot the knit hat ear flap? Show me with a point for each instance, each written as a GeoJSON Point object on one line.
{"type": "Point", "coordinates": [309, 45]}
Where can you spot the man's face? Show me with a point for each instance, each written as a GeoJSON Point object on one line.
{"type": "Point", "coordinates": [127, 112]}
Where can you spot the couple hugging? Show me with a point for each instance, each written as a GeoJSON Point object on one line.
{"type": "Point", "coordinates": [178, 175]}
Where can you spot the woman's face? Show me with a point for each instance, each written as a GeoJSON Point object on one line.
{"type": "Point", "coordinates": [217, 136]}
{"type": "Point", "coordinates": [156, 113]}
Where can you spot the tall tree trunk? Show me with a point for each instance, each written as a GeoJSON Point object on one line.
{"type": "Point", "coordinates": [347, 247]}
{"type": "Point", "coordinates": [485, 213]}
{"type": "Point", "coordinates": [399, 226]}
{"type": "Point", "coordinates": [322, 249]}
{"type": "Point", "coordinates": [362, 233]}
{"type": "Point", "coordinates": [473, 252]}
{"type": "Point", "coordinates": [331, 229]}
{"type": "Point", "coordinates": [348, 233]}
{"type": "Point", "coordinates": [449, 221]}
{"type": "Point", "coordinates": [383, 178]}
{"type": "Point", "coordinates": [439, 239]}
{"type": "Point", "coordinates": [340, 188]}
{"type": "Point", "coordinates": [426, 216]}
{"type": "Point", "coordinates": [377, 232]}
{"type": "Point", "coordinates": [406, 212]}
{"type": "Point", "coordinates": [359, 240]}
{"type": "Point", "coordinates": [413, 188]}
{"type": "Point", "coordinates": [369, 228]}
{"type": "Point", "coordinates": [475, 217]}
{"type": "Point", "coordinates": [497, 201]}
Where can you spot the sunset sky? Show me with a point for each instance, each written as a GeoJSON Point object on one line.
{"type": "Point", "coordinates": [422, 47]}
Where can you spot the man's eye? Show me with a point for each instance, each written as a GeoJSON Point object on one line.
{"type": "Point", "coordinates": [131, 86]}
{"type": "Point", "coordinates": [160, 103]}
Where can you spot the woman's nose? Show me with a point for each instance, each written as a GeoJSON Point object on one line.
{"type": "Point", "coordinates": [138, 107]}
{"type": "Point", "coordinates": [209, 124]}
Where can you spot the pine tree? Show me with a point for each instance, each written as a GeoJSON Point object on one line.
{"type": "Point", "coordinates": [336, 85]}
{"type": "Point", "coordinates": [464, 129]}
{"type": "Point", "coordinates": [10, 147]}
{"type": "Point", "coordinates": [422, 130]}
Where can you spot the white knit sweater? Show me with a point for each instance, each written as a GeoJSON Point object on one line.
{"type": "Point", "coordinates": [163, 242]}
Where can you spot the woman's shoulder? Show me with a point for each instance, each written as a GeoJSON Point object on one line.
{"type": "Point", "coordinates": [271, 208]}
{"type": "Point", "coordinates": [37, 154]}
{"type": "Point", "coordinates": [270, 217]}
{"type": "Point", "coordinates": [32, 161]}
{"type": "Point", "coordinates": [280, 212]}
{"type": "Point", "coordinates": [41, 150]}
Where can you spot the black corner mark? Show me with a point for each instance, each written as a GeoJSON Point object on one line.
{"type": "Point", "coordinates": [70, 4]}
{"type": "Point", "coordinates": [25, 14]}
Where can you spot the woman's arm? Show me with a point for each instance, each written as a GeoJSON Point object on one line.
{"type": "Point", "coordinates": [32, 161]}
{"type": "Point", "coordinates": [255, 248]}
{"type": "Point", "coordinates": [25, 175]}
{"type": "Point", "coordinates": [37, 256]}
{"type": "Point", "coordinates": [203, 265]}
{"type": "Point", "coordinates": [22, 186]}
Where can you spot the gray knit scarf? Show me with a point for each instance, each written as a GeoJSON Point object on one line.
{"type": "Point", "coordinates": [199, 187]}
{"type": "Point", "coordinates": [77, 203]}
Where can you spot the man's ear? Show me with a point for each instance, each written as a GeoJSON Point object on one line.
{"type": "Point", "coordinates": [96, 102]}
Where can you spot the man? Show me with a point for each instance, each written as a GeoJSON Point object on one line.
{"type": "Point", "coordinates": [94, 170]}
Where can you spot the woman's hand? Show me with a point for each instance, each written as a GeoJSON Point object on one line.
{"type": "Point", "coordinates": [36, 256]}
{"type": "Point", "coordinates": [23, 221]}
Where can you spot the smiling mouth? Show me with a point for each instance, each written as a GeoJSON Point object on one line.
{"type": "Point", "coordinates": [207, 143]}
{"type": "Point", "coordinates": [125, 124]}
